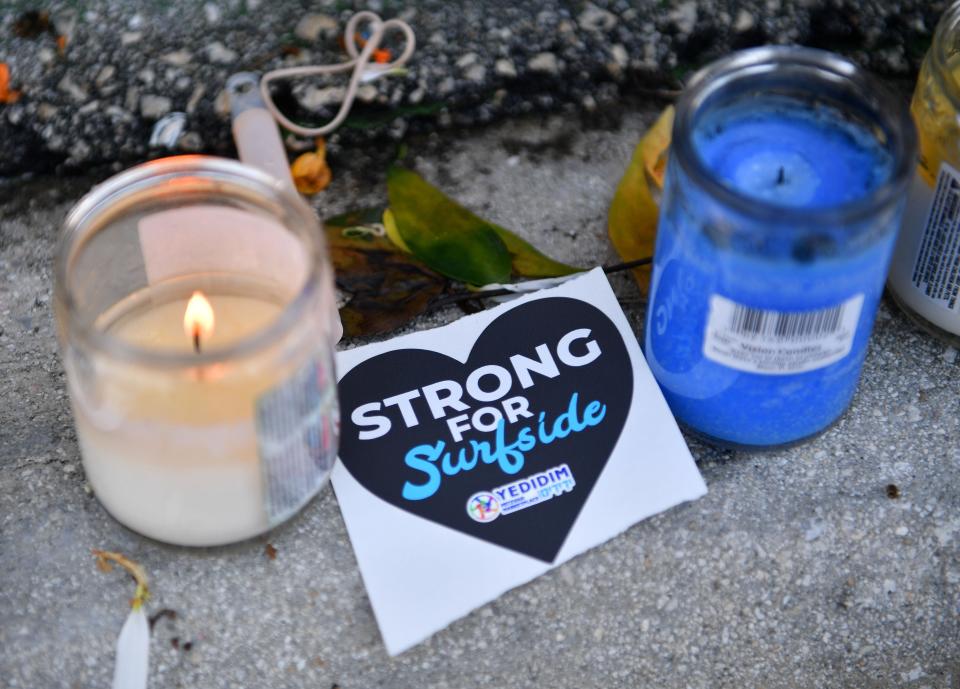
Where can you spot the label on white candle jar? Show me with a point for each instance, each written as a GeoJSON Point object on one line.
{"type": "Point", "coordinates": [779, 342]}
{"type": "Point", "coordinates": [296, 433]}
{"type": "Point", "coordinates": [936, 268]}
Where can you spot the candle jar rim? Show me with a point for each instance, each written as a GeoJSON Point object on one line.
{"type": "Point", "coordinates": [800, 70]}
{"type": "Point", "coordinates": [126, 190]}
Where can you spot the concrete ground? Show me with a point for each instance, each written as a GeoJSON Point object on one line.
{"type": "Point", "coordinates": [797, 570]}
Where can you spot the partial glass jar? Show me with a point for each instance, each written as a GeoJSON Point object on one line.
{"type": "Point", "coordinates": [784, 190]}
{"type": "Point", "coordinates": [209, 425]}
{"type": "Point", "coordinates": [925, 271]}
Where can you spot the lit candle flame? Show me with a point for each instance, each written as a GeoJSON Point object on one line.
{"type": "Point", "coordinates": [198, 319]}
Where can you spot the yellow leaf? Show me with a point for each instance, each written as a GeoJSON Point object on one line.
{"type": "Point", "coordinates": [655, 145]}
{"type": "Point", "coordinates": [390, 225]}
{"type": "Point", "coordinates": [310, 171]}
{"type": "Point", "coordinates": [632, 220]}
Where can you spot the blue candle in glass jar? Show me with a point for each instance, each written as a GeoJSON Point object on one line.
{"type": "Point", "coordinates": [784, 191]}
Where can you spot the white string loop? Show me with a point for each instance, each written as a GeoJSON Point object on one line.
{"type": "Point", "coordinates": [359, 63]}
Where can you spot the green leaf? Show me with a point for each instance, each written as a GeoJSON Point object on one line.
{"type": "Point", "coordinates": [443, 234]}
{"type": "Point", "coordinates": [529, 262]}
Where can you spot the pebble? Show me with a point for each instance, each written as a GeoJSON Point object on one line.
{"type": "Point", "coordinates": [212, 13]}
{"type": "Point", "coordinates": [684, 16]}
{"type": "Point", "coordinates": [129, 37]}
{"type": "Point", "coordinates": [476, 73]}
{"type": "Point", "coordinates": [366, 93]}
{"type": "Point", "coordinates": [505, 68]}
{"type": "Point", "coordinates": [467, 60]}
{"type": "Point", "coordinates": [594, 18]}
{"type": "Point", "coordinates": [315, 98]}
{"type": "Point", "coordinates": [76, 92]}
{"type": "Point", "coordinates": [105, 74]}
{"type": "Point", "coordinates": [217, 52]}
{"type": "Point", "coordinates": [814, 532]}
{"type": "Point", "coordinates": [311, 26]}
{"type": "Point", "coordinates": [545, 63]}
{"type": "Point", "coordinates": [744, 21]}
{"type": "Point", "coordinates": [178, 58]}
{"type": "Point", "coordinates": [154, 107]}
{"type": "Point", "coordinates": [195, 97]}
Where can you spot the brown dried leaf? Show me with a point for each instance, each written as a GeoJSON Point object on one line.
{"type": "Point", "coordinates": [388, 288]}
{"type": "Point", "coordinates": [310, 171]}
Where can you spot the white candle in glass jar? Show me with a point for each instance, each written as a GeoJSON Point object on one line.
{"type": "Point", "coordinates": [204, 395]}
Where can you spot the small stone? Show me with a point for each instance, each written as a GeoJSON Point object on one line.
{"type": "Point", "coordinates": [68, 86]}
{"type": "Point", "coordinates": [212, 13]}
{"type": "Point", "coordinates": [545, 63]}
{"type": "Point", "coordinates": [45, 111]}
{"type": "Point", "coordinates": [594, 18]}
{"type": "Point", "coordinates": [684, 17]}
{"type": "Point", "coordinates": [913, 675]}
{"type": "Point", "coordinates": [813, 533]}
{"type": "Point", "coordinates": [367, 93]}
{"type": "Point", "coordinates": [620, 55]}
{"type": "Point", "coordinates": [132, 98]}
{"type": "Point", "coordinates": [311, 26]}
{"type": "Point", "coordinates": [135, 22]}
{"type": "Point", "coordinates": [46, 56]}
{"type": "Point", "coordinates": [178, 58]}
{"type": "Point", "coordinates": [105, 75]}
{"type": "Point", "coordinates": [154, 107]}
{"type": "Point", "coordinates": [314, 98]}
{"type": "Point", "coordinates": [949, 355]}
{"type": "Point", "coordinates": [190, 142]}
{"type": "Point", "coordinates": [504, 68]}
{"type": "Point", "coordinates": [913, 413]}
{"type": "Point", "coordinates": [417, 95]}
{"type": "Point", "coordinates": [217, 52]}
{"type": "Point", "coordinates": [476, 73]}
{"type": "Point", "coordinates": [744, 21]}
{"type": "Point", "coordinates": [194, 99]}
{"type": "Point", "coordinates": [589, 103]}
{"type": "Point", "coordinates": [901, 531]}
{"type": "Point", "coordinates": [467, 60]}
{"type": "Point", "coordinates": [147, 76]}
{"type": "Point", "coordinates": [221, 105]}
{"type": "Point", "coordinates": [129, 37]}
{"type": "Point", "coordinates": [447, 86]}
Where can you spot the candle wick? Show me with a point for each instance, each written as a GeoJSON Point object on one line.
{"type": "Point", "coordinates": [781, 176]}
{"type": "Point", "coordinates": [196, 340]}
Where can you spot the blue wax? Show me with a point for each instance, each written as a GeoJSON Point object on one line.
{"type": "Point", "coordinates": [790, 154]}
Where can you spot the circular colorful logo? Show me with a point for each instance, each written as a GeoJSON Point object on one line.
{"type": "Point", "coordinates": [483, 507]}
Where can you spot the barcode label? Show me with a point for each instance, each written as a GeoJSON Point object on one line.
{"type": "Point", "coordinates": [936, 271]}
{"type": "Point", "coordinates": [779, 342]}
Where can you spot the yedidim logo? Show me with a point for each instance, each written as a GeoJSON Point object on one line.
{"type": "Point", "coordinates": [483, 507]}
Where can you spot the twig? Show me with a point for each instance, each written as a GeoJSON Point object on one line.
{"type": "Point", "coordinates": [458, 297]}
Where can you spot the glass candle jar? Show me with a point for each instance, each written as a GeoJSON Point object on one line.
{"type": "Point", "coordinates": [194, 303]}
{"type": "Point", "coordinates": [925, 271]}
{"type": "Point", "coordinates": [784, 189]}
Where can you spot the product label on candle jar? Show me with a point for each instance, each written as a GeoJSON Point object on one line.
{"type": "Point", "coordinates": [936, 268]}
{"type": "Point", "coordinates": [779, 342]}
{"type": "Point", "coordinates": [296, 434]}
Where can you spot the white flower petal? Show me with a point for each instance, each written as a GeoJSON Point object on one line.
{"type": "Point", "coordinates": [133, 652]}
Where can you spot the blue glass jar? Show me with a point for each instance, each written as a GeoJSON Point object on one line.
{"type": "Point", "coordinates": [785, 186]}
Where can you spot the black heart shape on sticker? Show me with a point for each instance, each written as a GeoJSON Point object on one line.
{"type": "Point", "coordinates": [591, 387]}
